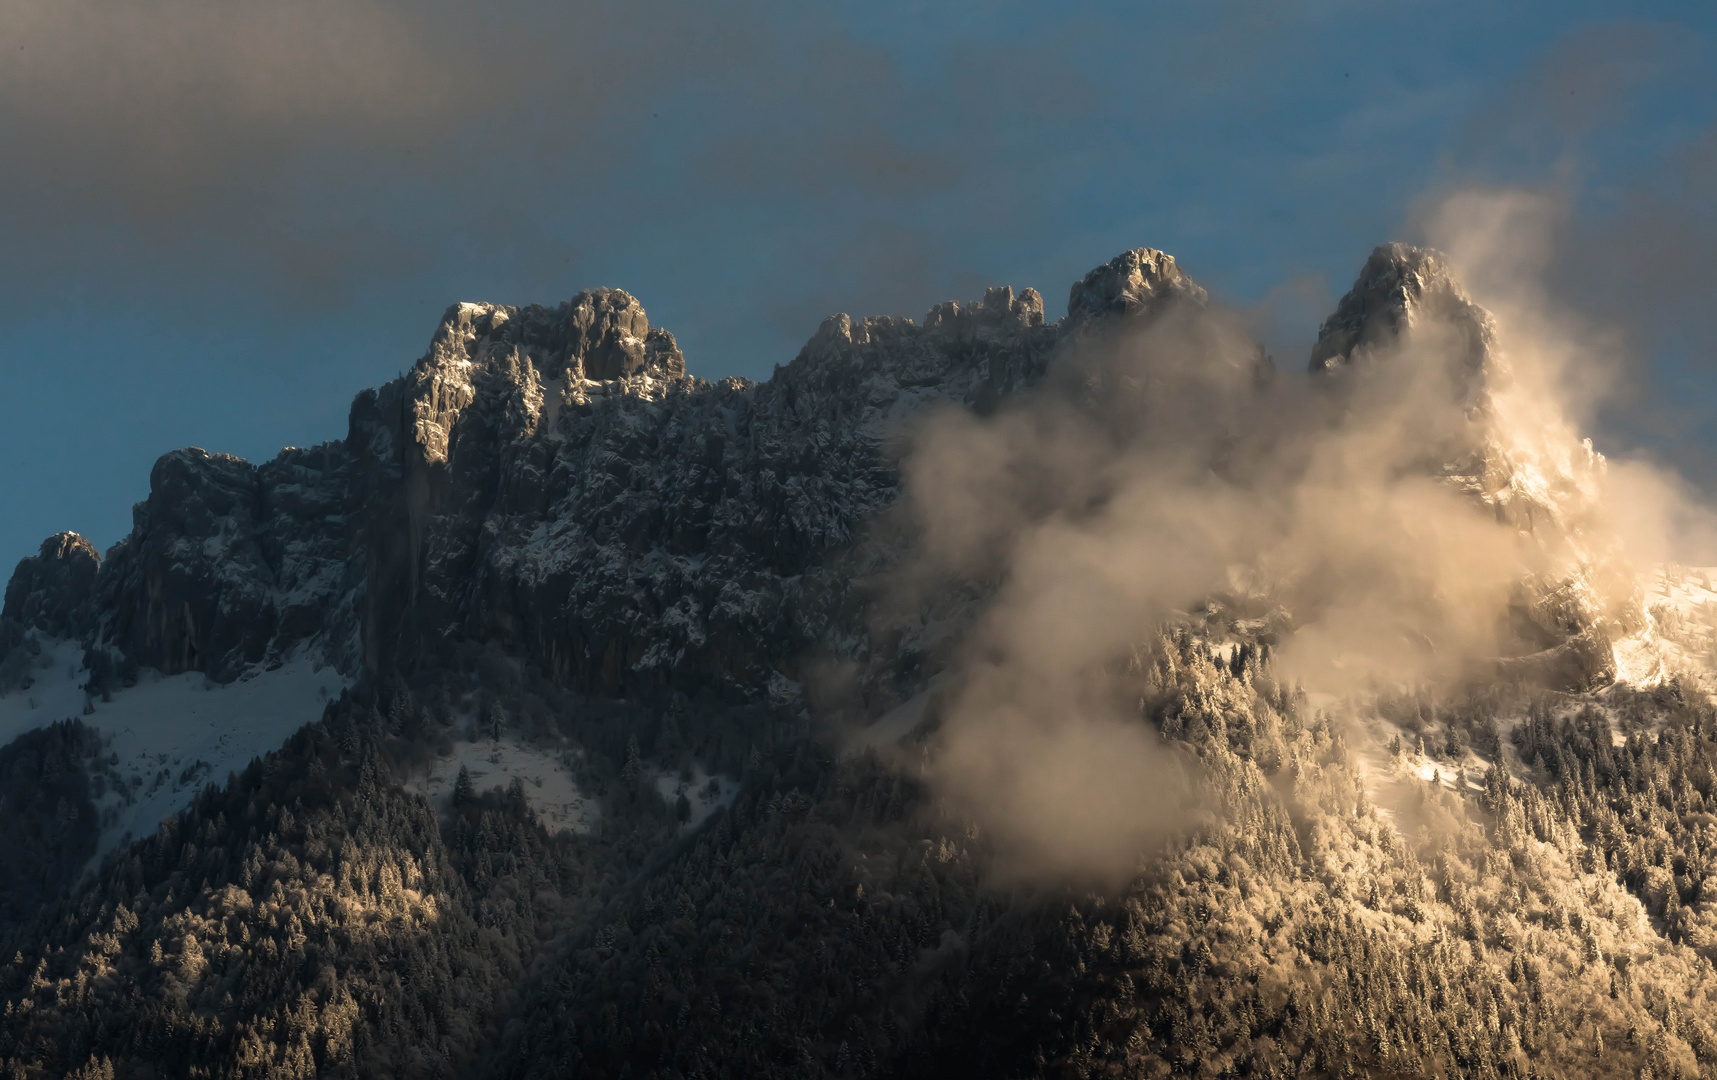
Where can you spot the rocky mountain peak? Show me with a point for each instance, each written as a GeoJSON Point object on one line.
{"type": "Point", "coordinates": [1129, 283]}
{"type": "Point", "coordinates": [597, 336]}
{"type": "Point", "coordinates": [557, 573]}
{"type": "Point", "coordinates": [534, 358]}
{"type": "Point", "coordinates": [609, 337]}
{"type": "Point", "coordinates": [997, 309]}
{"type": "Point", "coordinates": [1403, 293]}
{"type": "Point", "coordinates": [1406, 307]}
{"type": "Point", "coordinates": [50, 590]}
{"type": "Point", "coordinates": [550, 478]}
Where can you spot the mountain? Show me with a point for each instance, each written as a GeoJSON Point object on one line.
{"type": "Point", "coordinates": [575, 716]}
{"type": "Point", "coordinates": [1498, 446]}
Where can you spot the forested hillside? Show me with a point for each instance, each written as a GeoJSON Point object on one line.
{"type": "Point", "coordinates": [312, 919]}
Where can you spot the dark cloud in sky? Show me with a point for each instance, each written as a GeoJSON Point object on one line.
{"type": "Point", "coordinates": [314, 148]}
{"type": "Point", "coordinates": [182, 115]}
{"type": "Point", "coordinates": [304, 144]}
{"type": "Point", "coordinates": [218, 221]}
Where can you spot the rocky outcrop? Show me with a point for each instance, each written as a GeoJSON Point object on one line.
{"type": "Point", "coordinates": [227, 564]}
{"type": "Point", "coordinates": [652, 531]}
{"type": "Point", "coordinates": [609, 337]}
{"type": "Point", "coordinates": [1406, 296]}
{"type": "Point", "coordinates": [51, 591]}
{"type": "Point", "coordinates": [1407, 308]}
{"type": "Point", "coordinates": [1129, 284]}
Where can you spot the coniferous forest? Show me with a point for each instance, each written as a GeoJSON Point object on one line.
{"type": "Point", "coordinates": [309, 918]}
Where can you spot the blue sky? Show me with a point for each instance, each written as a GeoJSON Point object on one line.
{"type": "Point", "coordinates": [219, 222]}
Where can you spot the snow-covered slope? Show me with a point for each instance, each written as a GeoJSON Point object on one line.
{"type": "Point", "coordinates": [1679, 635]}
{"type": "Point", "coordinates": [168, 736]}
{"type": "Point", "coordinates": [56, 690]}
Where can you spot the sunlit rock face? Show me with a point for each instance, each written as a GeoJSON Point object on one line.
{"type": "Point", "coordinates": [1130, 284]}
{"type": "Point", "coordinates": [1407, 310]}
{"type": "Point", "coordinates": [1408, 327]}
{"type": "Point", "coordinates": [650, 530]}
{"type": "Point", "coordinates": [1403, 291]}
{"type": "Point", "coordinates": [1483, 436]}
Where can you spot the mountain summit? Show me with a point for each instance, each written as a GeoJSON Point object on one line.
{"type": "Point", "coordinates": [977, 696]}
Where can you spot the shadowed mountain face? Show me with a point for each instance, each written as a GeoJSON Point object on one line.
{"type": "Point", "coordinates": [553, 481]}
{"type": "Point", "coordinates": [50, 591]}
{"type": "Point", "coordinates": [739, 638]}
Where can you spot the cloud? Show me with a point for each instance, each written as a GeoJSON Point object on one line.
{"type": "Point", "coordinates": [1609, 130]}
{"type": "Point", "coordinates": [153, 109]}
{"type": "Point", "coordinates": [310, 144]}
{"type": "Point", "coordinates": [1399, 514]}
{"type": "Point", "coordinates": [310, 153]}
{"type": "Point", "coordinates": [839, 113]}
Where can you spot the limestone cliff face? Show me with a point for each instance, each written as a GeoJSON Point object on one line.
{"type": "Point", "coordinates": [1130, 284]}
{"type": "Point", "coordinates": [1404, 292]}
{"type": "Point", "coordinates": [229, 564]}
{"type": "Point", "coordinates": [1406, 307]}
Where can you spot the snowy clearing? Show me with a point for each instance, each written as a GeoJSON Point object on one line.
{"type": "Point", "coordinates": [1681, 634]}
{"type": "Point", "coordinates": [549, 785]}
{"type": "Point", "coordinates": [703, 791]}
{"type": "Point", "coordinates": [168, 736]}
